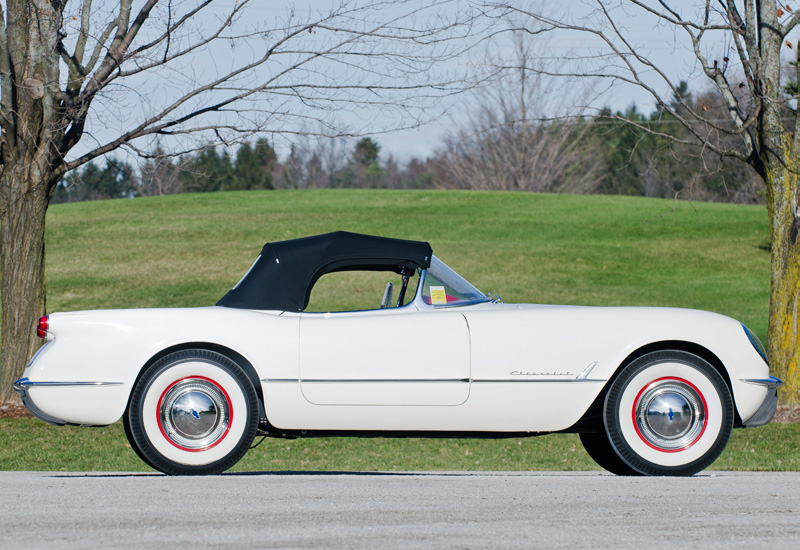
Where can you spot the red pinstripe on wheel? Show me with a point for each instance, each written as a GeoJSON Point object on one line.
{"type": "Point", "coordinates": [230, 415]}
{"type": "Point", "coordinates": [636, 406]}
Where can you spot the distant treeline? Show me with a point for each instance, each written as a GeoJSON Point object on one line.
{"type": "Point", "coordinates": [626, 153]}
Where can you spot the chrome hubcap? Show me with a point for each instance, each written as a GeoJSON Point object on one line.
{"type": "Point", "coordinates": [669, 415]}
{"type": "Point", "coordinates": [194, 413]}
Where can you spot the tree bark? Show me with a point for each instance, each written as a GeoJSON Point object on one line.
{"type": "Point", "coordinates": [22, 220]}
{"type": "Point", "coordinates": [783, 348]}
{"type": "Point", "coordinates": [30, 165]}
{"type": "Point", "coordinates": [779, 163]}
{"type": "Point", "coordinates": [781, 178]}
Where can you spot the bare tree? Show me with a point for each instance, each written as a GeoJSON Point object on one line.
{"type": "Point", "coordinates": [80, 79]}
{"type": "Point", "coordinates": [522, 133]}
{"type": "Point", "coordinates": [160, 175]}
{"type": "Point", "coordinates": [738, 46]}
{"type": "Point", "coordinates": [642, 162]}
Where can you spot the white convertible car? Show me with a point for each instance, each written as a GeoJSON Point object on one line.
{"type": "Point", "coordinates": [653, 391]}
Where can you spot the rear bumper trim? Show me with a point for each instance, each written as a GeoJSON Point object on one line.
{"type": "Point", "coordinates": [23, 385]}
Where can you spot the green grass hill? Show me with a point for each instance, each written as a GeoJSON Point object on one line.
{"type": "Point", "coordinates": [188, 250]}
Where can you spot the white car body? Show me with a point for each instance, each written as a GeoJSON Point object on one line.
{"type": "Point", "coordinates": [485, 367]}
{"type": "Point", "coordinates": [481, 368]}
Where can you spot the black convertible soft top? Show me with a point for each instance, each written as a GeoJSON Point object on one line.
{"type": "Point", "coordinates": [284, 273]}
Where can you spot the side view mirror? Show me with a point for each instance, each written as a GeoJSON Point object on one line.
{"type": "Point", "coordinates": [387, 295]}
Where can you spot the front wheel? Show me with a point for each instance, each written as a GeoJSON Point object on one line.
{"type": "Point", "coordinates": [193, 412]}
{"type": "Point", "coordinates": [668, 413]}
{"type": "Point", "coordinates": [598, 447]}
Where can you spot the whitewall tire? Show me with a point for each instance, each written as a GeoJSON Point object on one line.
{"type": "Point", "coordinates": [668, 413]}
{"type": "Point", "coordinates": [599, 448]}
{"type": "Point", "coordinates": [192, 412]}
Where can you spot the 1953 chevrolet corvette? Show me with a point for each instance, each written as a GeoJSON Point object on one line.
{"type": "Point", "coordinates": [651, 391]}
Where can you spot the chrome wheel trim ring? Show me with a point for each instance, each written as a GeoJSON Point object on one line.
{"type": "Point", "coordinates": [659, 424]}
{"type": "Point", "coordinates": [194, 414]}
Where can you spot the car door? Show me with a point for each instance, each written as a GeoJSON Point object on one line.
{"type": "Point", "coordinates": [385, 357]}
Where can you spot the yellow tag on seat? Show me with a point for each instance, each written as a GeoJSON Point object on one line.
{"type": "Point", "coordinates": [438, 295]}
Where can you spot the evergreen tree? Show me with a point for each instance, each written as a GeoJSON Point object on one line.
{"type": "Point", "coordinates": [206, 171]}
{"type": "Point", "coordinates": [363, 169]}
{"type": "Point", "coordinates": [254, 166]}
{"type": "Point", "coordinates": [116, 180]}
{"type": "Point", "coordinates": [366, 153]}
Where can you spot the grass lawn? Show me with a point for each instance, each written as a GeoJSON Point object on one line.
{"type": "Point", "coordinates": [28, 444]}
{"type": "Point", "coordinates": [188, 250]}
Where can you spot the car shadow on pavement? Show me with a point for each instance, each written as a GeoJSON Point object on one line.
{"type": "Point", "coordinates": [341, 473]}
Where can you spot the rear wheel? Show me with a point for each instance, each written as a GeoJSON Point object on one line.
{"type": "Point", "coordinates": [192, 412]}
{"type": "Point", "coordinates": [668, 413]}
{"type": "Point", "coordinates": [126, 424]}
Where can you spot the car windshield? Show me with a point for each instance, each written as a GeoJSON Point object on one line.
{"type": "Point", "coordinates": [445, 287]}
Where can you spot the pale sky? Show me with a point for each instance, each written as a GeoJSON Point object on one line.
{"type": "Point", "coordinates": [123, 105]}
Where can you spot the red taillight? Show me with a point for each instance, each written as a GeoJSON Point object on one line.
{"type": "Point", "coordinates": [41, 328]}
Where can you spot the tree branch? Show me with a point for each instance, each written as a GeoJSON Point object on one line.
{"type": "Point", "coordinates": [6, 115]}
{"type": "Point", "coordinates": [119, 46]}
{"type": "Point", "coordinates": [181, 53]}
{"type": "Point", "coordinates": [160, 123]}
{"type": "Point", "coordinates": [787, 27]}
{"type": "Point", "coordinates": [716, 74]}
{"type": "Point", "coordinates": [626, 54]}
{"type": "Point", "coordinates": [171, 28]}
{"type": "Point", "coordinates": [83, 35]}
{"type": "Point", "coordinates": [101, 45]}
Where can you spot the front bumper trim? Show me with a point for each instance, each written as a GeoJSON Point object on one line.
{"type": "Point", "coordinates": [766, 411]}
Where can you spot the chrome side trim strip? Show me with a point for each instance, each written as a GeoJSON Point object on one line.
{"type": "Point", "coordinates": [23, 384]}
{"type": "Point", "coordinates": [585, 374]}
{"type": "Point", "coordinates": [771, 382]}
{"type": "Point", "coordinates": [541, 380]}
{"type": "Point", "coordinates": [39, 351]}
{"type": "Point", "coordinates": [393, 381]}
{"type": "Point", "coordinates": [422, 380]}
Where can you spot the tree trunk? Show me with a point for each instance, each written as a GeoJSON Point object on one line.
{"type": "Point", "coordinates": [30, 165]}
{"type": "Point", "coordinates": [22, 218]}
{"type": "Point", "coordinates": [784, 352]}
{"type": "Point", "coordinates": [778, 156]}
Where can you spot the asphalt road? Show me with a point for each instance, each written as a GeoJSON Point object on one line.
{"type": "Point", "coordinates": [414, 510]}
